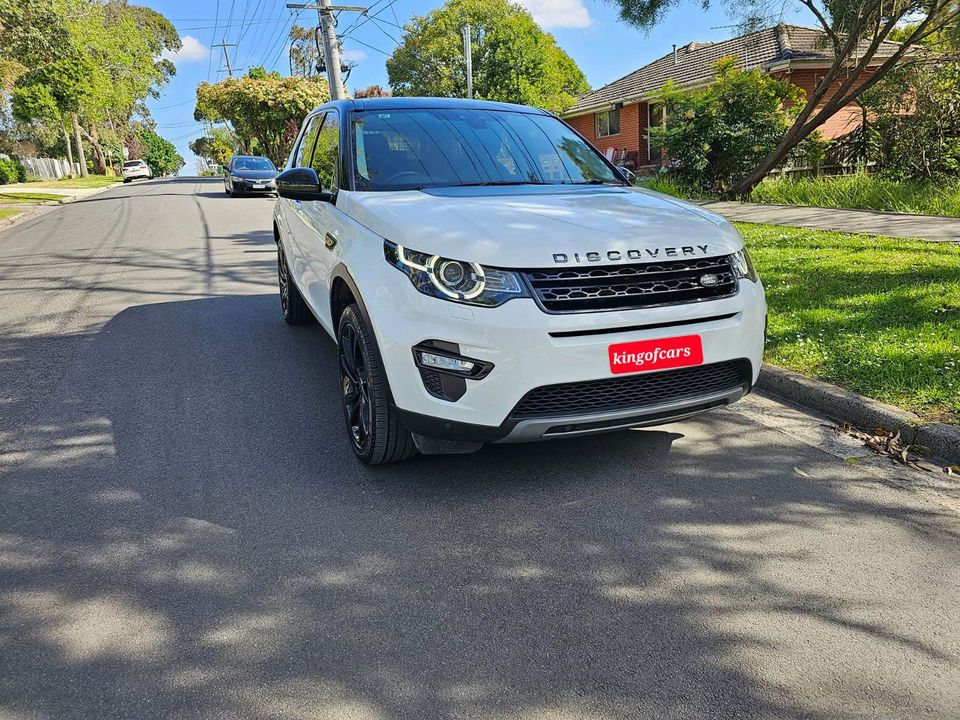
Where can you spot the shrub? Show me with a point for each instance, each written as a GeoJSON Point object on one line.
{"type": "Point", "coordinates": [11, 171]}
{"type": "Point", "coordinates": [917, 121]}
{"type": "Point", "coordinates": [716, 135]}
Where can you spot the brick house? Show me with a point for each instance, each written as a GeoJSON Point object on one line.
{"type": "Point", "coordinates": [617, 116]}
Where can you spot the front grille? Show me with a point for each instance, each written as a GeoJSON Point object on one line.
{"type": "Point", "coordinates": [634, 391]}
{"type": "Point", "coordinates": [629, 287]}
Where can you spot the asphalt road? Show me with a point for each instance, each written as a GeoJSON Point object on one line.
{"type": "Point", "coordinates": [185, 534]}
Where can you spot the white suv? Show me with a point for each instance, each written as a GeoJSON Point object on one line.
{"type": "Point", "coordinates": [490, 277]}
{"type": "Point", "coordinates": [136, 168]}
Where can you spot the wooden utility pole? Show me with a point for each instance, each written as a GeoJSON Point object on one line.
{"type": "Point", "coordinates": [331, 48]}
{"type": "Point", "coordinates": [468, 56]}
{"type": "Point", "coordinates": [226, 55]}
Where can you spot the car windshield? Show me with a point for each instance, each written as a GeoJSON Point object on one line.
{"type": "Point", "coordinates": [413, 149]}
{"type": "Point", "coordinates": [252, 163]}
{"type": "Point", "coordinates": [133, 163]}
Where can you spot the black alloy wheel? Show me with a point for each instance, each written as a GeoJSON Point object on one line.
{"type": "Point", "coordinates": [355, 389]}
{"type": "Point", "coordinates": [292, 304]}
{"type": "Point", "coordinates": [373, 424]}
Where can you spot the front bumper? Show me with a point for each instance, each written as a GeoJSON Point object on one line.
{"type": "Point", "coordinates": [529, 349]}
{"type": "Point", "coordinates": [249, 186]}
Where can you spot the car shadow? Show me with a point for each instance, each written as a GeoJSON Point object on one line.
{"type": "Point", "coordinates": [186, 534]}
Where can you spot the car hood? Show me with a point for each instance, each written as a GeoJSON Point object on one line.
{"type": "Point", "coordinates": [532, 226]}
{"type": "Point", "coordinates": [255, 174]}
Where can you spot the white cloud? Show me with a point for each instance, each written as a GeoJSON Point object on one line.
{"type": "Point", "coordinates": [353, 55]}
{"type": "Point", "coordinates": [558, 13]}
{"type": "Point", "coordinates": [191, 51]}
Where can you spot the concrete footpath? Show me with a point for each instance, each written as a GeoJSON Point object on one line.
{"type": "Point", "coordinates": [869, 222]}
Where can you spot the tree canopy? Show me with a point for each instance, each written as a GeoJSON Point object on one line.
{"type": "Point", "coordinates": [160, 154]}
{"type": "Point", "coordinates": [261, 107]}
{"type": "Point", "coordinates": [853, 30]}
{"type": "Point", "coordinates": [513, 59]}
{"type": "Point", "coordinates": [93, 61]}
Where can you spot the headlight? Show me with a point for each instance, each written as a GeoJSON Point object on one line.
{"type": "Point", "coordinates": [464, 282]}
{"type": "Point", "coordinates": [236, 179]}
{"type": "Point", "coordinates": [743, 265]}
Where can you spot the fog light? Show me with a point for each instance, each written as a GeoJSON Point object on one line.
{"type": "Point", "coordinates": [442, 362]}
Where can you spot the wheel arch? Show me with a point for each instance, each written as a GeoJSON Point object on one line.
{"type": "Point", "coordinates": [343, 293]}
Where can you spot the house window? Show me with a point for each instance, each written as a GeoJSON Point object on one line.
{"type": "Point", "coordinates": [608, 123]}
{"type": "Point", "coordinates": [656, 117]}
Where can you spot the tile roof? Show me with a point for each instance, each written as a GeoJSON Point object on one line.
{"type": "Point", "coordinates": [695, 61]}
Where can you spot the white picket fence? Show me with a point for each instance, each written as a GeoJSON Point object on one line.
{"type": "Point", "coordinates": [48, 168]}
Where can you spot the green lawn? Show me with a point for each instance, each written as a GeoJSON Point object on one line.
{"type": "Point", "coordinates": [880, 316]}
{"type": "Point", "coordinates": [4, 214]}
{"type": "Point", "coordinates": [11, 197]}
{"type": "Point", "coordinates": [93, 181]}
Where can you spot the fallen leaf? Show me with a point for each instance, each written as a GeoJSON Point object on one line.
{"type": "Point", "coordinates": [800, 472]}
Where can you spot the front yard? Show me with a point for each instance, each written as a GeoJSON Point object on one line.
{"type": "Point", "coordinates": [879, 316]}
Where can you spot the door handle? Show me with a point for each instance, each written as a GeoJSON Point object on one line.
{"type": "Point", "coordinates": [330, 241]}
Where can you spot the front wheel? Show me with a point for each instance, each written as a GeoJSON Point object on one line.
{"type": "Point", "coordinates": [373, 426]}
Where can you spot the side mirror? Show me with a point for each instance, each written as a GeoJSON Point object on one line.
{"type": "Point", "coordinates": [301, 183]}
{"type": "Point", "coordinates": [629, 174]}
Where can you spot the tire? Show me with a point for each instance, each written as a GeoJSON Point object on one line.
{"type": "Point", "coordinates": [372, 423]}
{"type": "Point", "coordinates": [126, 180]}
{"type": "Point", "coordinates": [292, 304]}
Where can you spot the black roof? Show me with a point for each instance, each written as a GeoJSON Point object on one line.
{"type": "Point", "coordinates": [410, 103]}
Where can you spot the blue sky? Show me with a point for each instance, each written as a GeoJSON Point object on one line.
{"type": "Point", "coordinates": [589, 30]}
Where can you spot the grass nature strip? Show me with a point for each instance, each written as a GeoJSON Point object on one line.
{"type": "Point", "coordinates": [879, 316]}
{"type": "Point", "coordinates": [12, 197]}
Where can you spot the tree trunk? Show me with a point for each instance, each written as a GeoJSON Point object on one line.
{"type": "Point", "coordinates": [99, 157]}
{"type": "Point", "coordinates": [81, 156]}
{"type": "Point", "coordinates": [66, 139]}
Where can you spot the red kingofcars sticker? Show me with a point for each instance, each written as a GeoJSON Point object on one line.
{"type": "Point", "coordinates": [661, 354]}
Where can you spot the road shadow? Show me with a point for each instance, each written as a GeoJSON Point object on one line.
{"type": "Point", "coordinates": [185, 533]}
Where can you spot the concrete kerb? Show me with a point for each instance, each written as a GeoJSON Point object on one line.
{"type": "Point", "coordinates": [940, 439]}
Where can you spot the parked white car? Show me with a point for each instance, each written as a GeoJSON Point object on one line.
{"type": "Point", "coordinates": [490, 277]}
{"type": "Point", "coordinates": [133, 169]}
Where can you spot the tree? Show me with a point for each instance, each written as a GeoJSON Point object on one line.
{"type": "Point", "coordinates": [218, 146]}
{"type": "Point", "coordinates": [853, 30]}
{"type": "Point", "coordinates": [261, 107]}
{"type": "Point", "coordinates": [371, 91]}
{"type": "Point", "coordinates": [160, 154]}
{"type": "Point", "coordinates": [99, 60]}
{"type": "Point", "coordinates": [914, 121]}
{"type": "Point", "coordinates": [513, 59]}
{"type": "Point", "coordinates": [304, 53]}
{"type": "Point", "coordinates": [717, 134]}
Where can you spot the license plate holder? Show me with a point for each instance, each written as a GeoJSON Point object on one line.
{"type": "Point", "coordinates": [258, 186]}
{"type": "Point", "coordinates": [657, 354]}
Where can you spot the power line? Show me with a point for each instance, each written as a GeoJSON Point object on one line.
{"type": "Point", "coordinates": [376, 24]}
{"type": "Point", "coordinates": [213, 37]}
{"type": "Point", "coordinates": [371, 47]}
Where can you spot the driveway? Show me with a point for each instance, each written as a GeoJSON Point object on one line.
{"type": "Point", "coordinates": [185, 534]}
